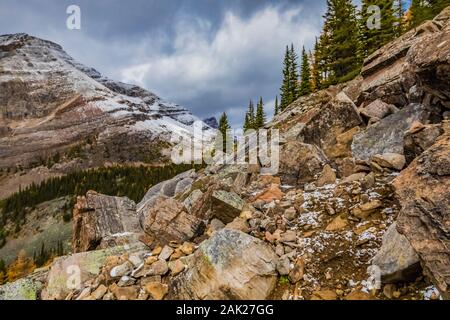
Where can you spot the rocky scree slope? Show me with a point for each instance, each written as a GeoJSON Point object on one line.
{"type": "Point", "coordinates": [362, 191]}
{"type": "Point", "coordinates": [51, 107]}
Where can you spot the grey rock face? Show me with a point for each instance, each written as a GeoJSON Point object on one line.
{"type": "Point", "coordinates": [396, 259]}
{"type": "Point", "coordinates": [387, 135]}
{"type": "Point", "coordinates": [423, 191]}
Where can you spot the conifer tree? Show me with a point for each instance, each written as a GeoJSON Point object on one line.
{"type": "Point", "coordinates": [277, 107]}
{"type": "Point", "coordinates": [293, 75]}
{"type": "Point", "coordinates": [286, 84]}
{"type": "Point", "coordinates": [373, 36]}
{"type": "Point", "coordinates": [422, 10]}
{"type": "Point", "coordinates": [305, 82]}
{"type": "Point", "coordinates": [224, 126]}
{"type": "Point", "coordinates": [315, 73]}
{"type": "Point", "coordinates": [249, 122]}
{"type": "Point", "coordinates": [260, 117]}
{"type": "Point", "coordinates": [341, 42]}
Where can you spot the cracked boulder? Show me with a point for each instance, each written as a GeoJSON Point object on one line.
{"type": "Point", "coordinates": [231, 265]}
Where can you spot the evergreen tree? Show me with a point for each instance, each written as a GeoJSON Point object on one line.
{"type": "Point", "coordinates": [249, 122]}
{"type": "Point", "coordinates": [293, 75]}
{"type": "Point", "coordinates": [340, 42]}
{"type": "Point", "coordinates": [373, 37]}
{"type": "Point", "coordinates": [290, 88]}
{"type": "Point", "coordinates": [3, 272]}
{"type": "Point", "coordinates": [286, 84]}
{"type": "Point", "coordinates": [305, 83]}
{"type": "Point", "coordinates": [277, 107]}
{"type": "Point", "coordinates": [224, 126]}
{"type": "Point", "coordinates": [260, 117]}
{"type": "Point", "coordinates": [422, 10]}
{"type": "Point", "coordinates": [316, 78]}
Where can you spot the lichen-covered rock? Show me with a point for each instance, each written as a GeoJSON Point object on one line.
{"type": "Point", "coordinates": [230, 265]}
{"type": "Point", "coordinates": [98, 218]}
{"type": "Point", "coordinates": [22, 289]}
{"type": "Point", "coordinates": [423, 191]}
{"type": "Point", "coordinates": [226, 205]}
{"type": "Point", "coordinates": [70, 272]}
{"type": "Point", "coordinates": [396, 259]}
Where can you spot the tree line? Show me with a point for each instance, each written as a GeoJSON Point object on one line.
{"type": "Point", "coordinates": [123, 181]}
{"type": "Point", "coordinates": [348, 37]}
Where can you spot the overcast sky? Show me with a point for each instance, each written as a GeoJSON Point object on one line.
{"type": "Point", "coordinates": [207, 55]}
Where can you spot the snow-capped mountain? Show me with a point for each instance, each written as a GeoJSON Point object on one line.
{"type": "Point", "coordinates": [51, 104]}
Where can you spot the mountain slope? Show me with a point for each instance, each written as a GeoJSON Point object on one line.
{"type": "Point", "coordinates": [52, 107]}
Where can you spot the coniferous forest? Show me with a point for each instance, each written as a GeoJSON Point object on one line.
{"type": "Point", "coordinates": [131, 182]}
{"type": "Point", "coordinates": [349, 35]}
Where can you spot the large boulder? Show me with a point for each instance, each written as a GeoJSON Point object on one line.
{"type": "Point", "coordinates": [230, 265]}
{"type": "Point", "coordinates": [419, 138]}
{"type": "Point", "coordinates": [396, 259]}
{"type": "Point", "coordinates": [102, 221]}
{"type": "Point", "coordinates": [300, 163]}
{"type": "Point", "coordinates": [386, 136]}
{"type": "Point", "coordinates": [423, 191]}
{"type": "Point", "coordinates": [327, 123]}
{"type": "Point", "coordinates": [71, 272]}
{"type": "Point", "coordinates": [168, 220]}
{"type": "Point", "coordinates": [22, 289]}
{"type": "Point", "coordinates": [169, 188]}
{"type": "Point", "coordinates": [226, 205]}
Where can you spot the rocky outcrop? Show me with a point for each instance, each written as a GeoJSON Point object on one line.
{"type": "Point", "coordinates": [169, 188]}
{"type": "Point", "coordinates": [396, 260]}
{"type": "Point", "coordinates": [230, 265]}
{"type": "Point", "coordinates": [101, 221]}
{"type": "Point", "coordinates": [168, 220]}
{"type": "Point", "coordinates": [423, 190]}
{"type": "Point", "coordinates": [386, 136]}
{"type": "Point", "coordinates": [300, 162]}
{"type": "Point", "coordinates": [68, 273]}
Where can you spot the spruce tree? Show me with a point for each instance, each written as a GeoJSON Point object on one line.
{"type": "Point", "coordinates": [342, 46]}
{"type": "Point", "coordinates": [277, 107]}
{"type": "Point", "coordinates": [305, 82]}
{"type": "Point", "coordinates": [422, 10]}
{"type": "Point", "coordinates": [373, 37]}
{"type": "Point", "coordinates": [224, 126]}
{"type": "Point", "coordinates": [260, 117]}
{"type": "Point", "coordinates": [286, 84]}
{"type": "Point", "coordinates": [315, 73]}
{"type": "Point", "coordinates": [249, 122]}
{"type": "Point", "coordinates": [293, 75]}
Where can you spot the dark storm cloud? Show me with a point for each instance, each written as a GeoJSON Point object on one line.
{"type": "Point", "coordinates": [208, 55]}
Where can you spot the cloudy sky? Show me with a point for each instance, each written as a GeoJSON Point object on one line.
{"type": "Point", "coordinates": [207, 55]}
